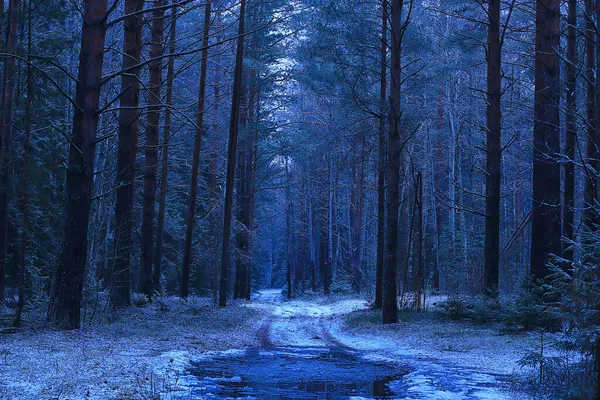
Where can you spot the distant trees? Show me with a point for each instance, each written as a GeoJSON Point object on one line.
{"type": "Point", "coordinates": [151, 149]}
{"type": "Point", "coordinates": [164, 169]}
{"type": "Point", "coordinates": [185, 270]}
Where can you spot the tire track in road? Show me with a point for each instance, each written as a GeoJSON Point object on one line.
{"type": "Point", "coordinates": [262, 334]}
{"type": "Point", "coordinates": [331, 342]}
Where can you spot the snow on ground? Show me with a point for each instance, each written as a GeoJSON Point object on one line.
{"type": "Point", "coordinates": [459, 342]}
{"type": "Point", "coordinates": [297, 322]}
{"type": "Point", "coordinates": [145, 352]}
{"type": "Point", "coordinates": [448, 359]}
{"type": "Point", "coordinates": [140, 353]}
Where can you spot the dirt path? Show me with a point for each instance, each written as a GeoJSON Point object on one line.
{"type": "Point", "coordinates": [263, 335]}
{"type": "Point", "coordinates": [301, 354]}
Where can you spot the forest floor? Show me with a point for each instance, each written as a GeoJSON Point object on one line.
{"type": "Point", "coordinates": [138, 353]}
{"type": "Point", "coordinates": [267, 348]}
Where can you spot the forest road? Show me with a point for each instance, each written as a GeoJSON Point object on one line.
{"type": "Point", "coordinates": [298, 356]}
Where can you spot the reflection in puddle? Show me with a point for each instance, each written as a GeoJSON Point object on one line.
{"type": "Point", "coordinates": [280, 375]}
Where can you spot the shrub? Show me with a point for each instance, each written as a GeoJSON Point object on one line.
{"type": "Point", "coordinates": [139, 299]}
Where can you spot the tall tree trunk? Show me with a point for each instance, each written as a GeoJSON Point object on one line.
{"type": "Point", "coordinates": [151, 150]}
{"type": "Point", "coordinates": [493, 153]}
{"type": "Point", "coordinates": [25, 182]}
{"type": "Point", "coordinates": [356, 217]}
{"type": "Point", "coordinates": [126, 151]}
{"type": "Point", "coordinates": [289, 221]}
{"type": "Point", "coordinates": [231, 156]}
{"type": "Point", "coordinates": [592, 142]}
{"type": "Point", "coordinates": [246, 196]}
{"type": "Point", "coordinates": [214, 192]}
{"type": "Point", "coordinates": [66, 303]}
{"type": "Point", "coordinates": [570, 132]}
{"type": "Point", "coordinates": [6, 131]}
{"type": "Point", "coordinates": [546, 218]}
{"type": "Point", "coordinates": [419, 239]}
{"type": "Point", "coordinates": [381, 159]}
{"type": "Point", "coordinates": [240, 234]}
{"type": "Point", "coordinates": [243, 198]}
{"type": "Point", "coordinates": [162, 206]}
{"type": "Point", "coordinates": [251, 173]}
{"type": "Point", "coordinates": [324, 240]}
{"type": "Point", "coordinates": [187, 255]}
{"type": "Point", "coordinates": [390, 306]}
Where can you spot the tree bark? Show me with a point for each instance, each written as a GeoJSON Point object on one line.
{"type": "Point", "coordinates": [66, 303]}
{"type": "Point", "coordinates": [214, 192]}
{"type": "Point", "coordinates": [493, 153]}
{"type": "Point", "coordinates": [251, 173]}
{"type": "Point", "coordinates": [356, 217]}
{"type": "Point", "coordinates": [6, 132]}
{"type": "Point", "coordinates": [591, 158]}
{"type": "Point", "coordinates": [381, 160]}
{"type": "Point", "coordinates": [546, 218]}
{"type": "Point", "coordinates": [126, 152]}
{"type": "Point", "coordinates": [324, 253]}
{"type": "Point", "coordinates": [390, 306]}
{"type": "Point", "coordinates": [419, 240]}
{"type": "Point", "coordinates": [570, 132]}
{"type": "Point", "coordinates": [231, 156]}
{"type": "Point", "coordinates": [25, 182]}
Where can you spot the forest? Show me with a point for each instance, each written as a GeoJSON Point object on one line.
{"type": "Point", "coordinates": [299, 199]}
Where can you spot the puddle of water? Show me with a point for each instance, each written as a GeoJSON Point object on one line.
{"type": "Point", "coordinates": [281, 375]}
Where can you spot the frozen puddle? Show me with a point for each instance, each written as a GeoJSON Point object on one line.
{"type": "Point", "coordinates": [295, 373]}
{"type": "Point", "coordinates": [320, 373]}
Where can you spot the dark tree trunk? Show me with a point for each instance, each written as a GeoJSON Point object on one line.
{"type": "Point", "coordinates": [6, 132]}
{"type": "Point", "coordinates": [324, 258]}
{"type": "Point", "coordinates": [381, 160]}
{"type": "Point", "coordinates": [288, 280]}
{"type": "Point", "coordinates": [596, 155]}
{"type": "Point", "coordinates": [356, 216]}
{"type": "Point", "coordinates": [546, 218]}
{"type": "Point", "coordinates": [151, 150]}
{"type": "Point", "coordinates": [246, 198]}
{"type": "Point", "coordinates": [231, 156]}
{"type": "Point", "coordinates": [289, 230]}
{"type": "Point", "coordinates": [390, 306]}
{"type": "Point", "coordinates": [187, 255]}
{"type": "Point", "coordinates": [162, 206]}
{"type": "Point", "coordinates": [592, 142]}
{"type": "Point", "coordinates": [126, 152]}
{"type": "Point", "coordinates": [66, 302]}
{"type": "Point", "coordinates": [251, 173]}
{"type": "Point", "coordinates": [240, 234]}
{"type": "Point", "coordinates": [493, 153]}
{"type": "Point", "coordinates": [25, 181]}
{"type": "Point", "coordinates": [214, 192]}
{"type": "Point", "coordinates": [419, 239]}
{"type": "Point", "coordinates": [570, 132]}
